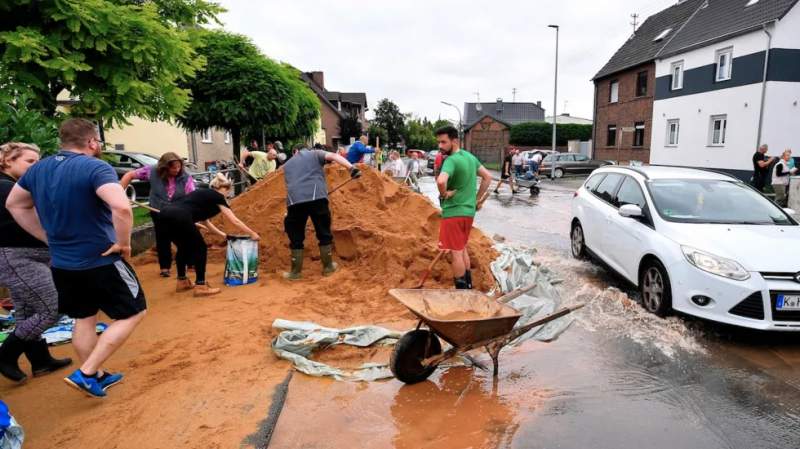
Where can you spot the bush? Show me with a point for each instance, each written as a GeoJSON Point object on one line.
{"type": "Point", "coordinates": [18, 124]}
{"type": "Point", "coordinates": [541, 133]}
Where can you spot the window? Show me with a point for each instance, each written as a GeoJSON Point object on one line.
{"type": "Point", "coordinates": [641, 84]}
{"type": "Point", "coordinates": [677, 75]}
{"type": "Point", "coordinates": [205, 136]}
{"type": "Point", "coordinates": [613, 93]}
{"type": "Point", "coordinates": [227, 137]}
{"type": "Point", "coordinates": [567, 158]}
{"type": "Point", "coordinates": [594, 181]}
{"type": "Point", "coordinates": [673, 130]}
{"type": "Point", "coordinates": [630, 193]}
{"type": "Point", "coordinates": [581, 157]}
{"type": "Point", "coordinates": [724, 64]}
{"type": "Point", "coordinates": [611, 140]}
{"type": "Point", "coordinates": [605, 190]}
{"type": "Point", "coordinates": [719, 126]}
{"type": "Point", "coordinates": [638, 134]}
{"type": "Point", "coordinates": [662, 35]}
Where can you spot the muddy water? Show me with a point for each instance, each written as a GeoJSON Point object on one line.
{"type": "Point", "coordinates": [618, 378]}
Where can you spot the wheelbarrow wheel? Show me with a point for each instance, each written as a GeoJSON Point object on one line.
{"type": "Point", "coordinates": [409, 351]}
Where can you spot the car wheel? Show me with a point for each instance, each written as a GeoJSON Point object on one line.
{"type": "Point", "coordinates": [558, 173]}
{"type": "Point", "coordinates": [654, 286]}
{"type": "Point", "coordinates": [578, 241]}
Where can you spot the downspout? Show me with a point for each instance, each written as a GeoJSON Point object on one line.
{"type": "Point", "coordinates": [594, 124]}
{"type": "Point", "coordinates": [764, 83]}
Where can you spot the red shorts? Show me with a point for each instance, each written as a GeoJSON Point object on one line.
{"type": "Point", "coordinates": [454, 233]}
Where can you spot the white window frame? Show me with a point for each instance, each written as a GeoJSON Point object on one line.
{"type": "Point", "coordinates": [227, 137]}
{"type": "Point", "coordinates": [611, 97]}
{"type": "Point", "coordinates": [718, 141]}
{"type": "Point", "coordinates": [726, 73]}
{"type": "Point", "coordinates": [677, 124]}
{"type": "Point", "coordinates": [677, 81]}
{"type": "Point", "coordinates": [636, 127]}
{"type": "Point", "coordinates": [206, 136]}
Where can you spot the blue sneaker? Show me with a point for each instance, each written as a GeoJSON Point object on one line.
{"type": "Point", "coordinates": [90, 386]}
{"type": "Point", "coordinates": [108, 380]}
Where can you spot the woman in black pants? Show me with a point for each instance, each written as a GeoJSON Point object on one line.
{"type": "Point", "coordinates": [169, 182]}
{"type": "Point", "coordinates": [181, 219]}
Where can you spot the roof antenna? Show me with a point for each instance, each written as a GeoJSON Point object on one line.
{"type": "Point", "coordinates": [514, 95]}
{"type": "Point", "coordinates": [635, 22]}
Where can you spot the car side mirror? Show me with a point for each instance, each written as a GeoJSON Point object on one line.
{"type": "Point", "coordinates": [631, 211]}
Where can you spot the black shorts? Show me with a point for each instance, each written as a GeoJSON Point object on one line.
{"type": "Point", "coordinates": [114, 289]}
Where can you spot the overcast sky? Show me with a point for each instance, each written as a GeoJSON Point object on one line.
{"type": "Point", "coordinates": [417, 53]}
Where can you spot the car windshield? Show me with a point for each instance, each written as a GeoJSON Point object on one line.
{"type": "Point", "coordinates": [714, 201]}
{"type": "Point", "coordinates": [147, 159]}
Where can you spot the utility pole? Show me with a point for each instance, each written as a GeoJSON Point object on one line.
{"type": "Point", "coordinates": [514, 95]}
{"type": "Point", "coordinates": [555, 103]}
{"type": "Point", "coordinates": [635, 22]}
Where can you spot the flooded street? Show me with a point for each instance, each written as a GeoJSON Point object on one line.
{"type": "Point", "coordinates": [619, 377]}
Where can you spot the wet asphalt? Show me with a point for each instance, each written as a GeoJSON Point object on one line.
{"type": "Point", "coordinates": [619, 377]}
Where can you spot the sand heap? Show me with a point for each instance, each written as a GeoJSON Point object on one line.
{"type": "Point", "coordinates": [385, 237]}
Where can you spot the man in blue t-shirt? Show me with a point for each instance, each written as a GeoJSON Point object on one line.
{"type": "Point", "coordinates": [73, 202]}
{"type": "Point", "coordinates": [357, 150]}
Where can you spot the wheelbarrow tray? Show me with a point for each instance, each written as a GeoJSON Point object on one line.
{"type": "Point", "coordinates": [460, 317]}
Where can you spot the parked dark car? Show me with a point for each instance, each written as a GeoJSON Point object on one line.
{"type": "Point", "coordinates": [558, 165]}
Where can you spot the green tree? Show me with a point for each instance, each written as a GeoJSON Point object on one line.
{"type": "Point", "coordinates": [240, 89]}
{"type": "Point", "coordinates": [375, 132]}
{"type": "Point", "coordinates": [419, 134]}
{"type": "Point", "coordinates": [119, 58]}
{"type": "Point", "coordinates": [389, 118]}
{"type": "Point", "coordinates": [20, 124]}
{"type": "Point", "coordinates": [541, 133]}
{"type": "Point", "coordinates": [350, 127]}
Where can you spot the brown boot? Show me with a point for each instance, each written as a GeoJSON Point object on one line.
{"type": "Point", "coordinates": [201, 290]}
{"type": "Point", "coordinates": [184, 285]}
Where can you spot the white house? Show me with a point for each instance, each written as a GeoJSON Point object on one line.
{"type": "Point", "coordinates": [715, 101]}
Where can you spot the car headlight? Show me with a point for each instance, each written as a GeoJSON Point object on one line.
{"type": "Point", "coordinates": [720, 266]}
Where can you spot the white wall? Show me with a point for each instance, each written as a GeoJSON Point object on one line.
{"type": "Point", "coordinates": [781, 128]}
{"type": "Point", "coordinates": [787, 34]}
{"type": "Point", "coordinates": [741, 104]}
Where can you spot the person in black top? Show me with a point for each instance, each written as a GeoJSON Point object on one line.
{"type": "Point", "coordinates": [505, 172]}
{"type": "Point", "coordinates": [182, 218]}
{"type": "Point", "coordinates": [25, 270]}
{"type": "Point", "coordinates": [761, 165]}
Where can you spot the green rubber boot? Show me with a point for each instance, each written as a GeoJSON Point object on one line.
{"type": "Point", "coordinates": [297, 266]}
{"type": "Point", "coordinates": [328, 265]}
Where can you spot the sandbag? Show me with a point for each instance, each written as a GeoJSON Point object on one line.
{"type": "Point", "coordinates": [241, 261]}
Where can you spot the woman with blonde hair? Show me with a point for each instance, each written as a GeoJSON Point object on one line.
{"type": "Point", "coordinates": [780, 180]}
{"type": "Point", "coordinates": [169, 181]}
{"type": "Point", "coordinates": [180, 219]}
{"type": "Point", "coordinates": [25, 270]}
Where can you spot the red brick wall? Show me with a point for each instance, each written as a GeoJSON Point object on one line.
{"type": "Point", "coordinates": [330, 123]}
{"type": "Point", "coordinates": [629, 110]}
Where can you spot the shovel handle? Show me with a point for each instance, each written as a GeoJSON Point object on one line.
{"type": "Point", "coordinates": [430, 267]}
{"type": "Point", "coordinates": [145, 206]}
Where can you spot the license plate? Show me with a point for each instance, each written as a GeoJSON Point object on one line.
{"type": "Point", "coordinates": [788, 302]}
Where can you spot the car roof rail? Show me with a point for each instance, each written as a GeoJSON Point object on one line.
{"type": "Point", "coordinates": [627, 167]}
{"type": "Point", "coordinates": [710, 170]}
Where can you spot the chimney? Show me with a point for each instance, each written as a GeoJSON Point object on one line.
{"type": "Point", "coordinates": [499, 105]}
{"type": "Point", "coordinates": [539, 104]}
{"type": "Point", "coordinates": [318, 78]}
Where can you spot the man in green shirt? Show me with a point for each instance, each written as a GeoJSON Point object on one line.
{"type": "Point", "coordinates": [262, 165]}
{"type": "Point", "coordinates": [458, 195]}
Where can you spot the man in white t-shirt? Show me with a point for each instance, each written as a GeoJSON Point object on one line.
{"type": "Point", "coordinates": [517, 160]}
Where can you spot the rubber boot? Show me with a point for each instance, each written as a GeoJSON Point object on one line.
{"type": "Point", "coordinates": [41, 361]}
{"type": "Point", "coordinates": [297, 266]}
{"type": "Point", "coordinates": [201, 290]}
{"type": "Point", "coordinates": [328, 265]}
{"type": "Point", "coordinates": [461, 283]}
{"type": "Point", "coordinates": [12, 348]}
{"type": "Point", "coordinates": [183, 285]}
{"type": "Point", "coordinates": [468, 277]}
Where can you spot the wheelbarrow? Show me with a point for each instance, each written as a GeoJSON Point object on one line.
{"type": "Point", "coordinates": [467, 319]}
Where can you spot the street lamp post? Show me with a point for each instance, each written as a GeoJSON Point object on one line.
{"type": "Point", "coordinates": [460, 123]}
{"type": "Point", "coordinates": [555, 105]}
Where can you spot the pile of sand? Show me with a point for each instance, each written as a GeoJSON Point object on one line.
{"type": "Point", "coordinates": [385, 237]}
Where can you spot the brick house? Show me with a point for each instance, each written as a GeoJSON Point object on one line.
{"type": "Point", "coordinates": [488, 126]}
{"type": "Point", "coordinates": [335, 107]}
{"type": "Point", "coordinates": [625, 87]}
